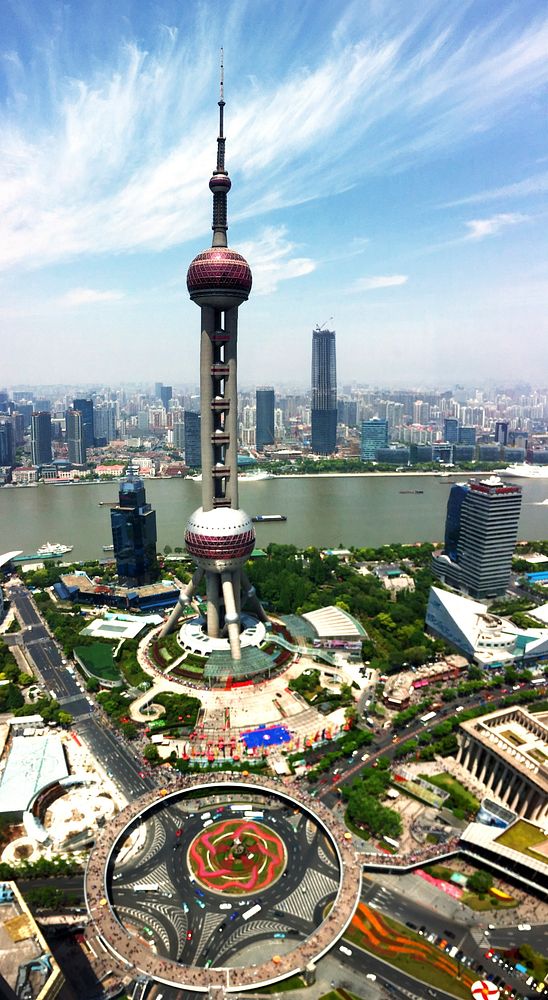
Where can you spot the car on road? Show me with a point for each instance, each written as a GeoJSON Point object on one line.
{"type": "Point", "coordinates": [201, 904]}
{"type": "Point", "coordinates": [189, 935]}
{"type": "Point", "coordinates": [371, 976]}
{"type": "Point", "coordinates": [524, 927]}
{"type": "Point", "coordinates": [345, 950]}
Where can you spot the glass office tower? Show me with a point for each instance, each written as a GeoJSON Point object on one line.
{"type": "Point", "coordinates": [324, 392]}
{"type": "Point", "coordinates": [133, 524]}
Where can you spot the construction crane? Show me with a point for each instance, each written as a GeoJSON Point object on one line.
{"type": "Point", "coordinates": [319, 328]}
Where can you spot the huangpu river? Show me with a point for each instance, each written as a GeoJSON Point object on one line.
{"type": "Point", "coordinates": [324, 511]}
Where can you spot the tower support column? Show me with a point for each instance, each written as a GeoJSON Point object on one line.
{"type": "Point", "coordinates": [206, 431]}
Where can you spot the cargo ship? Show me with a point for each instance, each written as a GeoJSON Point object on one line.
{"type": "Point", "coordinates": [268, 517]}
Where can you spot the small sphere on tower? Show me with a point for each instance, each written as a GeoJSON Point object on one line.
{"type": "Point", "coordinates": [219, 277]}
{"type": "Point", "coordinates": [220, 182]}
{"type": "Point", "coordinates": [220, 539]}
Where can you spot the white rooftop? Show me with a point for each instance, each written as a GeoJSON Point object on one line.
{"type": "Point", "coordinates": [333, 622]}
{"type": "Point", "coordinates": [33, 763]}
{"type": "Point", "coordinates": [113, 626]}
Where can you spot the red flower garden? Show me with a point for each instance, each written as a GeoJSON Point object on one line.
{"type": "Point", "coordinates": [237, 855]}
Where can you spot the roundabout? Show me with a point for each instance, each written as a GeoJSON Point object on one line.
{"type": "Point", "coordinates": [225, 881]}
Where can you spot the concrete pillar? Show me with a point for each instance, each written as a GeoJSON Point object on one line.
{"type": "Point", "coordinates": [231, 392]}
{"type": "Point", "coordinates": [232, 618]}
{"type": "Point", "coordinates": [485, 766]}
{"type": "Point", "coordinates": [500, 781]}
{"type": "Point", "coordinates": [252, 599]}
{"type": "Point", "coordinates": [213, 600]}
{"type": "Point", "coordinates": [515, 791]}
{"type": "Point", "coordinates": [206, 393]}
{"type": "Point", "coordinates": [184, 599]}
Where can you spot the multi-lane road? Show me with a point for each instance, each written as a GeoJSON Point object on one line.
{"type": "Point", "coordinates": [107, 746]}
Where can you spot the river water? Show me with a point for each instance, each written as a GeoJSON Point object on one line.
{"type": "Point", "coordinates": [321, 511]}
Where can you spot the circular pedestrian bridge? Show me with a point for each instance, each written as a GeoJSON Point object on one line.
{"type": "Point", "coordinates": [228, 880]}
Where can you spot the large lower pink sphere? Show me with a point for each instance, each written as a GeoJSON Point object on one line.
{"type": "Point", "coordinates": [220, 539]}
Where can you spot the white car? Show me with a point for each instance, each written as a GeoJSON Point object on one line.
{"type": "Point", "coordinates": [524, 927]}
{"type": "Point", "coordinates": [371, 976]}
{"type": "Point", "coordinates": [345, 950]}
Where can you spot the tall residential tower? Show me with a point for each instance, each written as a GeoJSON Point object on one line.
{"type": "Point", "coordinates": [219, 535]}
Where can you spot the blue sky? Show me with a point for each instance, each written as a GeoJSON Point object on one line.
{"type": "Point", "coordinates": [389, 168]}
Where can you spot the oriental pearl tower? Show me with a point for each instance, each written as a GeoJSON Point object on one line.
{"type": "Point", "coordinates": [219, 535]}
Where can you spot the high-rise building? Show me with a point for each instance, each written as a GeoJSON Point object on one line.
{"type": "Point", "coordinates": [501, 432]}
{"type": "Point", "coordinates": [219, 535]}
{"type": "Point", "coordinates": [75, 438]}
{"type": "Point", "coordinates": [7, 442]}
{"type": "Point", "coordinates": [133, 524]}
{"type": "Point", "coordinates": [104, 423]}
{"type": "Point", "coordinates": [166, 392]}
{"type": "Point", "coordinates": [324, 392]}
{"type": "Point", "coordinates": [40, 438]}
{"type": "Point", "coordinates": [179, 435]}
{"type": "Point", "coordinates": [451, 430]}
{"type": "Point", "coordinates": [467, 435]}
{"type": "Point", "coordinates": [374, 436]}
{"type": "Point", "coordinates": [481, 531]}
{"type": "Point", "coordinates": [264, 417]}
{"type": "Point", "coordinates": [193, 446]}
{"type": "Point", "coordinates": [85, 407]}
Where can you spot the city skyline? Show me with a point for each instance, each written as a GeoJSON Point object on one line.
{"type": "Point", "coordinates": [393, 167]}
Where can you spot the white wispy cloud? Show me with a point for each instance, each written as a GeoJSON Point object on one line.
{"type": "Point", "coordinates": [379, 281]}
{"type": "Point", "coordinates": [117, 162]}
{"type": "Point", "coordinates": [87, 296]}
{"type": "Point", "coordinates": [478, 229]}
{"type": "Point", "coordinates": [537, 184]}
{"type": "Point", "coordinates": [271, 259]}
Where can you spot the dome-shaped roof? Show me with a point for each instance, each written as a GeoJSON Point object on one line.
{"type": "Point", "coordinates": [219, 277]}
{"type": "Point", "coordinates": [220, 538]}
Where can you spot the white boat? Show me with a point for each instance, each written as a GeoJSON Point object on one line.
{"type": "Point", "coordinates": [255, 477]}
{"type": "Point", "coordinates": [53, 549]}
{"type": "Point", "coordinates": [245, 477]}
{"type": "Point", "coordinates": [525, 472]}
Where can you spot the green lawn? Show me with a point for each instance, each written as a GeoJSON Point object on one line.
{"type": "Point", "coordinates": [522, 836]}
{"type": "Point", "coordinates": [99, 661]}
{"type": "Point", "coordinates": [460, 797]}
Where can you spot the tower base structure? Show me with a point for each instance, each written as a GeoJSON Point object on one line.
{"type": "Point", "coordinates": [221, 541]}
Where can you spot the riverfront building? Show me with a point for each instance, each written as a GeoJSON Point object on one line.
{"type": "Point", "coordinates": [481, 531]}
{"type": "Point", "coordinates": [85, 408]}
{"type": "Point", "coordinates": [76, 438]}
{"type": "Point", "coordinates": [133, 524]}
{"type": "Point", "coordinates": [264, 417]}
{"type": "Point", "coordinates": [40, 438]}
{"type": "Point", "coordinates": [324, 392]}
{"type": "Point", "coordinates": [374, 436]}
{"type": "Point", "coordinates": [507, 752]}
{"type": "Point", "coordinates": [192, 439]}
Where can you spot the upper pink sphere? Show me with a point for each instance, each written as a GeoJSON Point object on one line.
{"type": "Point", "coordinates": [219, 277]}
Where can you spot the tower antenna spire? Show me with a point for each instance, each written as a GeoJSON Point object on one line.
{"type": "Point", "coordinates": [219, 184]}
